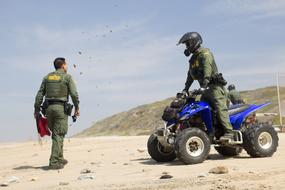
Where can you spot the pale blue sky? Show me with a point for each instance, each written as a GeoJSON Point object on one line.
{"type": "Point", "coordinates": [129, 53]}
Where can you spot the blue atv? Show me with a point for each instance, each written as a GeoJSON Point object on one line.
{"type": "Point", "coordinates": [191, 128]}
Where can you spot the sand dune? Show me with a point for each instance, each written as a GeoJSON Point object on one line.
{"type": "Point", "coordinates": [123, 163]}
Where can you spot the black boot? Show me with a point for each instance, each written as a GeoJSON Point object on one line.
{"type": "Point", "coordinates": [56, 167]}
{"type": "Point", "coordinates": [64, 162]}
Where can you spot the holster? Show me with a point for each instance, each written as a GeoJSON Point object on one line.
{"type": "Point", "coordinates": [44, 107]}
{"type": "Point", "coordinates": [68, 108]}
{"type": "Point", "coordinates": [219, 79]}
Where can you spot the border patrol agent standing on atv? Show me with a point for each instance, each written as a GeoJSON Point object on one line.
{"type": "Point", "coordinates": [56, 88]}
{"type": "Point", "coordinates": [234, 96]}
{"type": "Point", "coordinates": [204, 69]}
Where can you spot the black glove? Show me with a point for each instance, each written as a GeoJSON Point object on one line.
{"type": "Point", "coordinates": [205, 83]}
{"type": "Point", "coordinates": [185, 92]}
{"type": "Point", "coordinates": [74, 118]}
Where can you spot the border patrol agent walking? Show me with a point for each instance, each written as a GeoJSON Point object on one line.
{"type": "Point", "coordinates": [202, 67]}
{"type": "Point", "coordinates": [56, 87]}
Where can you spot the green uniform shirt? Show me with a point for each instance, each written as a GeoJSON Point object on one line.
{"type": "Point", "coordinates": [57, 86]}
{"type": "Point", "coordinates": [201, 66]}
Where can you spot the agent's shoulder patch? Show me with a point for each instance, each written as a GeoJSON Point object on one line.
{"type": "Point", "coordinates": [195, 64]}
{"type": "Point", "coordinates": [54, 77]}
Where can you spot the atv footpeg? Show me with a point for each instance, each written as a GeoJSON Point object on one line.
{"type": "Point", "coordinates": [236, 139]}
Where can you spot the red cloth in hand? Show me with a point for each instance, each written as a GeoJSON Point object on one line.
{"type": "Point", "coordinates": [42, 126]}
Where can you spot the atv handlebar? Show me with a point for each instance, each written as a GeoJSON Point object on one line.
{"type": "Point", "coordinates": [190, 94]}
{"type": "Point", "coordinates": [197, 92]}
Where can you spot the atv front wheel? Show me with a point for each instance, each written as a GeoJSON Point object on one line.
{"type": "Point", "coordinates": [192, 146]}
{"type": "Point", "coordinates": [260, 140]}
{"type": "Point", "coordinates": [158, 152]}
{"type": "Point", "coordinates": [228, 151]}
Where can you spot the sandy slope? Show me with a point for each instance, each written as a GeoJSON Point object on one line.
{"type": "Point", "coordinates": [117, 164]}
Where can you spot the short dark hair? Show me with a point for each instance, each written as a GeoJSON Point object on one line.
{"type": "Point", "coordinates": [58, 62]}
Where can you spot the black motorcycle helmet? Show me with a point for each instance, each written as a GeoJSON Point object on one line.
{"type": "Point", "coordinates": [192, 40]}
{"type": "Point", "coordinates": [231, 87]}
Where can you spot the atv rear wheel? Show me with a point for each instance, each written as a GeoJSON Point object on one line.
{"type": "Point", "coordinates": [192, 146]}
{"type": "Point", "coordinates": [228, 150]}
{"type": "Point", "coordinates": [260, 140]}
{"type": "Point", "coordinates": [158, 152]}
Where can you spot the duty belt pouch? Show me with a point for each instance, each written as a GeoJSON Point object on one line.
{"type": "Point", "coordinates": [68, 109]}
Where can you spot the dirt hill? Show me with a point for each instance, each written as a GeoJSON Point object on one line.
{"type": "Point", "coordinates": [142, 120]}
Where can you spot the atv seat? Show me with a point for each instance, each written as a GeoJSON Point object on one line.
{"type": "Point", "coordinates": [235, 109]}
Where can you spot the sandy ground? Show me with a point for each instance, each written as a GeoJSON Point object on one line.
{"type": "Point", "coordinates": [123, 163]}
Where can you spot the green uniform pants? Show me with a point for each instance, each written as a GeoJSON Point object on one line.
{"type": "Point", "coordinates": [216, 97]}
{"type": "Point", "coordinates": [58, 124]}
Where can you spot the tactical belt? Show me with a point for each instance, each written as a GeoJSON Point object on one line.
{"type": "Point", "coordinates": [56, 102]}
